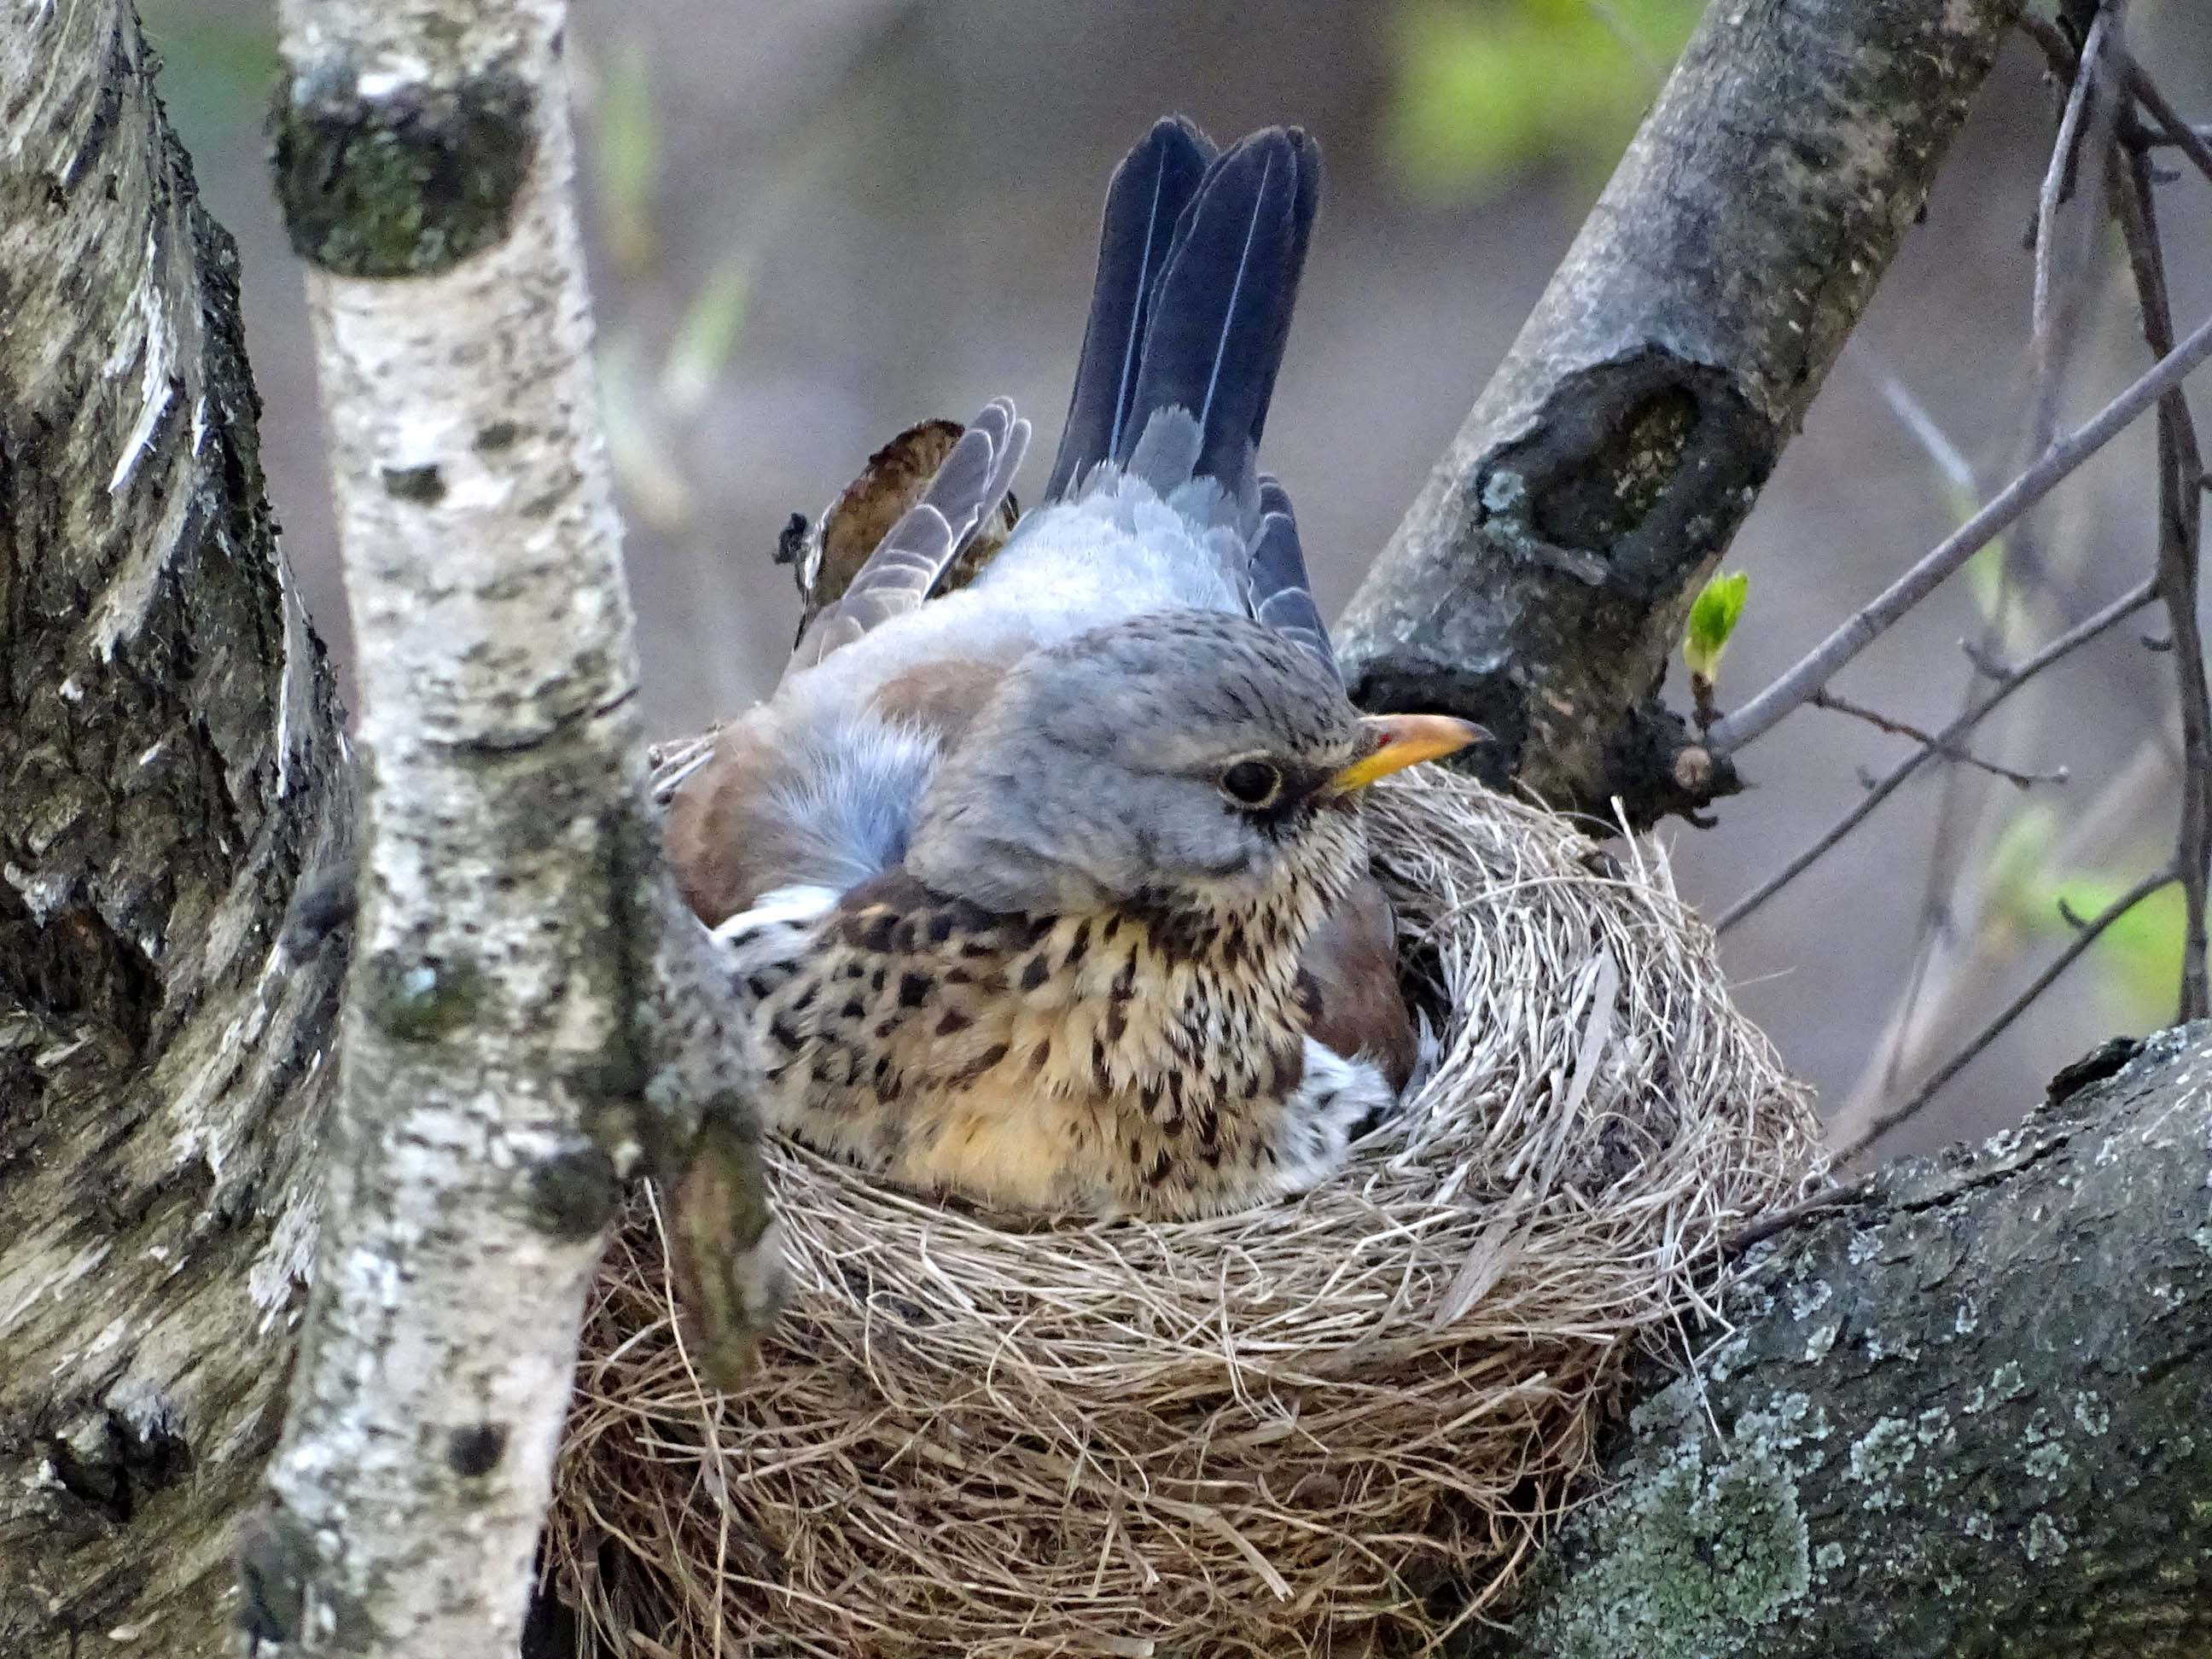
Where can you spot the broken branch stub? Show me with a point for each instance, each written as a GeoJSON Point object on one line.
{"type": "Point", "coordinates": [1540, 583]}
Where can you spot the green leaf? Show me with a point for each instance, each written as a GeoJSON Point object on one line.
{"type": "Point", "coordinates": [2137, 959]}
{"type": "Point", "coordinates": [1713, 617]}
{"type": "Point", "coordinates": [1483, 94]}
{"type": "Point", "coordinates": [2140, 954]}
{"type": "Point", "coordinates": [706, 335]}
{"type": "Point", "coordinates": [629, 158]}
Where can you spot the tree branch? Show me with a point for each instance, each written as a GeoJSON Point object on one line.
{"type": "Point", "coordinates": [509, 1054]}
{"type": "Point", "coordinates": [2087, 932]}
{"type": "Point", "coordinates": [2068, 217]}
{"type": "Point", "coordinates": [1881, 722]}
{"type": "Point", "coordinates": [171, 763]}
{"type": "Point", "coordinates": [1821, 664]}
{"type": "Point", "coordinates": [2008, 680]}
{"type": "Point", "coordinates": [2195, 143]}
{"type": "Point", "coordinates": [2181, 536]}
{"type": "Point", "coordinates": [1960, 1418]}
{"type": "Point", "coordinates": [1540, 583]}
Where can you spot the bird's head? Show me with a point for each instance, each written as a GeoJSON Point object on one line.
{"type": "Point", "coordinates": [1190, 759]}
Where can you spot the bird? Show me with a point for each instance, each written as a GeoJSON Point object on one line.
{"type": "Point", "coordinates": [1042, 879]}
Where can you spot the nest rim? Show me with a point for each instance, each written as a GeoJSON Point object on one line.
{"type": "Point", "coordinates": [1335, 1426]}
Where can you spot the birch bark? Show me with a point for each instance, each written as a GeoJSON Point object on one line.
{"type": "Point", "coordinates": [504, 1056]}
{"type": "Point", "coordinates": [171, 765]}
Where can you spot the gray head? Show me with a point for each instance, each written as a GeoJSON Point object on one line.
{"type": "Point", "coordinates": [1191, 756]}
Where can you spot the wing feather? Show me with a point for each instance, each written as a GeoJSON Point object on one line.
{"type": "Point", "coordinates": [915, 554]}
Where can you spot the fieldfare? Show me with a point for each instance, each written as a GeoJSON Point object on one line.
{"type": "Point", "coordinates": [1042, 875]}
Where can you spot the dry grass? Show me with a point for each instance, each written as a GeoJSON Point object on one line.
{"type": "Point", "coordinates": [1339, 1428]}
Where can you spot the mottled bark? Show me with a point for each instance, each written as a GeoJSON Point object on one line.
{"type": "Point", "coordinates": [508, 1061]}
{"type": "Point", "coordinates": [1960, 1418]}
{"type": "Point", "coordinates": [1540, 581]}
{"type": "Point", "coordinates": [170, 763]}
{"type": "Point", "coordinates": [1963, 1418]}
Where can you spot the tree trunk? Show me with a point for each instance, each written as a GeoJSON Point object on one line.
{"type": "Point", "coordinates": [171, 769]}
{"type": "Point", "coordinates": [509, 1060]}
{"type": "Point", "coordinates": [170, 764]}
{"type": "Point", "coordinates": [1540, 581]}
{"type": "Point", "coordinates": [1964, 1418]}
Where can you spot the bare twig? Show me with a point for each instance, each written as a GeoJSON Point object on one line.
{"type": "Point", "coordinates": [1796, 684]}
{"type": "Point", "coordinates": [1986, 662]}
{"type": "Point", "coordinates": [2088, 934]}
{"type": "Point", "coordinates": [1914, 417]}
{"type": "Point", "coordinates": [1959, 752]}
{"type": "Point", "coordinates": [2170, 130]}
{"type": "Point", "coordinates": [2180, 529]}
{"type": "Point", "coordinates": [2195, 143]}
{"type": "Point", "coordinates": [2008, 680]}
{"type": "Point", "coordinates": [1653, 68]}
{"type": "Point", "coordinates": [2057, 48]}
{"type": "Point", "coordinates": [1834, 1196]}
{"type": "Point", "coordinates": [2059, 179]}
{"type": "Point", "coordinates": [2068, 210]}
{"type": "Point", "coordinates": [1454, 614]}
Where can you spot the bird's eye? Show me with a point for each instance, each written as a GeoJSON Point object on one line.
{"type": "Point", "coordinates": [1252, 783]}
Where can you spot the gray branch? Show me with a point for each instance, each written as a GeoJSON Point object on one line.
{"type": "Point", "coordinates": [1963, 1418]}
{"type": "Point", "coordinates": [1806, 677]}
{"type": "Point", "coordinates": [170, 766]}
{"type": "Point", "coordinates": [2006, 1353]}
{"type": "Point", "coordinates": [1539, 582]}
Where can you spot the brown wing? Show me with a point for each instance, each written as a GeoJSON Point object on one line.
{"type": "Point", "coordinates": [912, 560]}
{"type": "Point", "coordinates": [930, 509]}
{"type": "Point", "coordinates": [889, 487]}
{"type": "Point", "coordinates": [1350, 969]}
{"type": "Point", "coordinates": [720, 867]}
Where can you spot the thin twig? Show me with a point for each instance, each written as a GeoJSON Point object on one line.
{"type": "Point", "coordinates": [2009, 681]}
{"type": "Point", "coordinates": [2088, 934]}
{"type": "Point", "coordinates": [2060, 178]}
{"type": "Point", "coordinates": [2067, 216]}
{"type": "Point", "coordinates": [2195, 143]}
{"type": "Point", "coordinates": [2181, 137]}
{"type": "Point", "coordinates": [2173, 130]}
{"type": "Point", "coordinates": [1959, 752]}
{"type": "Point", "coordinates": [1654, 69]}
{"type": "Point", "coordinates": [2181, 530]}
{"type": "Point", "coordinates": [1913, 415]}
{"type": "Point", "coordinates": [1834, 1196]}
{"type": "Point", "coordinates": [1986, 662]}
{"type": "Point", "coordinates": [2057, 49]}
{"type": "Point", "coordinates": [1796, 684]}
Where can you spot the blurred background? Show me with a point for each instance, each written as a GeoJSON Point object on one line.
{"type": "Point", "coordinates": [813, 224]}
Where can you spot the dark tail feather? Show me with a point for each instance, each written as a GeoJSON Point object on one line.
{"type": "Point", "coordinates": [1222, 310]}
{"type": "Point", "coordinates": [1282, 593]}
{"type": "Point", "coordinates": [1143, 203]}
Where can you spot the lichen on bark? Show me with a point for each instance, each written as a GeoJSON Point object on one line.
{"type": "Point", "coordinates": [1963, 1418]}
{"type": "Point", "coordinates": [398, 180]}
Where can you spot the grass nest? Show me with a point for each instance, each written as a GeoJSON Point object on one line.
{"type": "Point", "coordinates": [1340, 1426]}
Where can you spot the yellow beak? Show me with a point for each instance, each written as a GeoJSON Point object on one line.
{"type": "Point", "coordinates": [1403, 740]}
